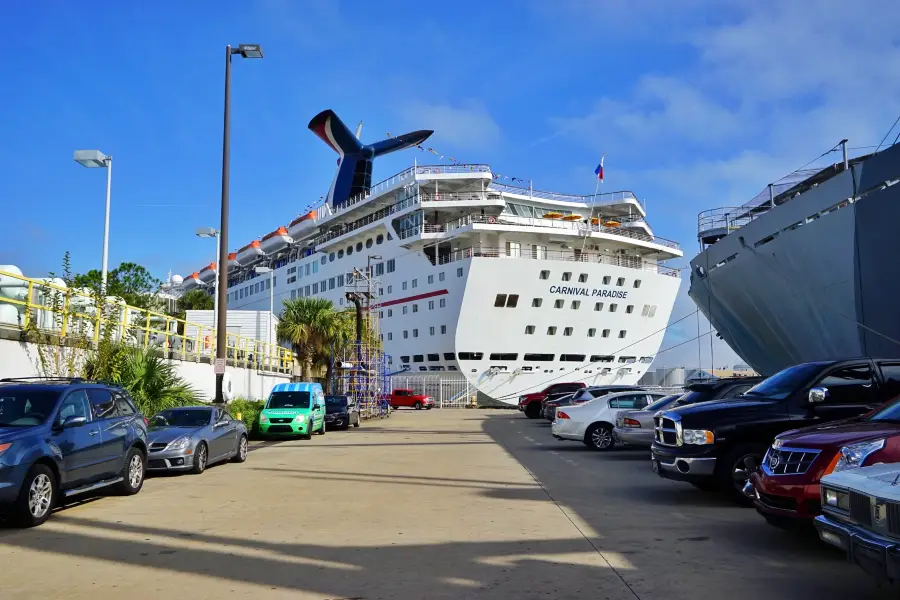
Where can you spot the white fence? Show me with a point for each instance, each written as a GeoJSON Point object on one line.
{"type": "Point", "coordinates": [448, 392]}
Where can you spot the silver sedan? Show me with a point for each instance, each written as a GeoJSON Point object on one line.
{"type": "Point", "coordinates": [192, 438]}
{"type": "Point", "coordinates": [635, 427]}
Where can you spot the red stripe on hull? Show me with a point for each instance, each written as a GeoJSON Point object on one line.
{"type": "Point", "coordinates": [412, 298]}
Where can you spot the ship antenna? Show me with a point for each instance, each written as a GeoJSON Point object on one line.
{"type": "Point", "coordinates": [359, 130]}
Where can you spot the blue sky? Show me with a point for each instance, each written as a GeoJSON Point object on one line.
{"type": "Point", "coordinates": [696, 106]}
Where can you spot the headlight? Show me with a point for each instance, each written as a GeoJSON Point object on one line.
{"type": "Point", "coordinates": [698, 436]}
{"type": "Point", "coordinates": [180, 444]}
{"type": "Point", "coordinates": [854, 455]}
{"type": "Point", "coordinates": [4, 448]}
{"type": "Point", "coordinates": [263, 418]}
{"type": "Point", "coordinates": [835, 498]}
{"type": "Point", "coordinates": [300, 418]}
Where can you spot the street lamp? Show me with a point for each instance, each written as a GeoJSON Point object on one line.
{"type": "Point", "coordinates": [246, 51]}
{"type": "Point", "coordinates": [271, 272]}
{"type": "Point", "coordinates": [211, 232]}
{"type": "Point", "coordinates": [94, 159]}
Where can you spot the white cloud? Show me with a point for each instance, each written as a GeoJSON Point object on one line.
{"type": "Point", "coordinates": [465, 127]}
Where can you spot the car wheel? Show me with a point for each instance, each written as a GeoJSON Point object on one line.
{"type": "Point", "coordinates": [322, 428]}
{"type": "Point", "coordinates": [36, 497]}
{"type": "Point", "coordinates": [242, 450]}
{"type": "Point", "coordinates": [356, 423]}
{"type": "Point", "coordinates": [599, 436]}
{"type": "Point", "coordinates": [133, 473]}
{"type": "Point", "coordinates": [201, 458]}
{"type": "Point", "coordinates": [734, 468]}
{"type": "Point", "coordinates": [532, 413]}
{"type": "Point", "coordinates": [417, 405]}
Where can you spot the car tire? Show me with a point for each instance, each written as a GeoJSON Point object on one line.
{"type": "Point", "coordinates": [734, 465]}
{"type": "Point", "coordinates": [201, 458]}
{"type": "Point", "coordinates": [32, 510]}
{"type": "Point", "coordinates": [356, 423]}
{"type": "Point", "coordinates": [133, 472]}
{"type": "Point", "coordinates": [532, 413]}
{"type": "Point", "coordinates": [417, 405]}
{"type": "Point", "coordinates": [599, 437]}
{"type": "Point", "coordinates": [242, 450]}
{"type": "Point", "coordinates": [322, 428]}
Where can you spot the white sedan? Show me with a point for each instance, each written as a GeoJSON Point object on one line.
{"type": "Point", "coordinates": [592, 422]}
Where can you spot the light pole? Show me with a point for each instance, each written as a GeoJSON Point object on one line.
{"type": "Point", "coordinates": [246, 51]}
{"type": "Point", "coordinates": [271, 272]}
{"type": "Point", "coordinates": [93, 159]}
{"type": "Point", "coordinates": [212, 232]}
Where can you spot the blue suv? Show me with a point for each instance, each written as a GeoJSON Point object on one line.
{"type": "Point", "coordinates": [63, 437]}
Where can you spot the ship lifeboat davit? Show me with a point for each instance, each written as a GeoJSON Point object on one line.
{"type": "Point", "coordinates": [191, 281]}
{"type": "Point", "coordinates": [302, 225]}
{"type": "Point", "coordinates": [249, 253]}
{"type": "Point", "coordinates": [208, 273]}
{"type": "Point", "coordinates": [276, 240]}
{"type": "Point", "coordinates": [233, 261]}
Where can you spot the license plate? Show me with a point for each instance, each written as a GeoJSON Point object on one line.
{"type": "Point", "coordinates": [655, 466]}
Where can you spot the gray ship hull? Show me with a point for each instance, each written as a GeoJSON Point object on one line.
{"type": "Point", "coordinates": [813, 278]}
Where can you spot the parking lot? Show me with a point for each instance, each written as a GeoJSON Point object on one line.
{"type": "Point", "coordinates": [426, 504]}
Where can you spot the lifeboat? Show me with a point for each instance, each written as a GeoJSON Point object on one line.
{"type": "Point", "coordinates": [572, 218]}
{"type": "Point", "coordinates": [595, 221]}
{"type": "Point", "coordinates": [249, 253]}
{"type": "Point", "coordinates": [302, 225]}
{"type": "Point", "coordinates": [208, 273]}
{"type": "Point", "coordinates": [191, 281]}
{"type": "Point", "coordinates": [275, 241]}
{"type": "Point", "coordinates": [232, 261]}
{"type": "Point", "coordinates": [552, 215]}
{"type": "Point", "coordinates": [612, 224]}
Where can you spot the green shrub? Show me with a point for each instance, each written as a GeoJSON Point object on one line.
{"type": "Point", "coordinates": [248, 410]}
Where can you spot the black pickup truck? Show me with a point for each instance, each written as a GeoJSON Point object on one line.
{"type": "Point", "coordinates": [716, 445]}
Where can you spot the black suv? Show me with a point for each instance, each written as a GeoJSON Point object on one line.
{"type": "Point", "coordinates": [718, 444]}
{"type": "Point", "coordinates": [63, 437]}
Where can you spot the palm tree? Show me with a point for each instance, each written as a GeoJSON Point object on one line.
{"type": "Point", "coordinates": [311, 326]}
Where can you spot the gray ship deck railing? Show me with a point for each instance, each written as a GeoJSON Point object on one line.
{"type": "Point", "coordinates": [604, 198]}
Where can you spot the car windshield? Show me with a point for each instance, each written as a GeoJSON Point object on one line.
{"type": "Point", "coordinates": [782, 384]}
{"type": "Point", "coordinates": [336, 401]}
{"type": "Point", "coordinates": [181, 417]}
{"type": "Point", "coordinates": [890, 412]}
{"type": "Point", "coordinates": [288, 400]}
{"type": "Point", "coordinates": [662, 402]}
{"type": "Point", "coordinates": [694, 396]}
{"type": "Point", "coordinates": [26, 407]}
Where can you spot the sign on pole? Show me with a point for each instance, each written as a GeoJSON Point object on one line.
{"type": "Point", "coordinates": [219, 366]}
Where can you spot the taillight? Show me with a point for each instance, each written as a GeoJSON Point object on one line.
{"type": "Point", "coordinates": [561, 415]}
{"type": "Point", "coordinates": [631, 422]}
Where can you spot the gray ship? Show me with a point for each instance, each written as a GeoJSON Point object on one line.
{"type": "Point", "coordinates": [805, 272]}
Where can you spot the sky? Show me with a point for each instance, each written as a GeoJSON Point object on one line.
{"type": "Point", "coordinates": [697, 104]}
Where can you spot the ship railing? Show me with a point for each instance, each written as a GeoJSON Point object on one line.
{"type": "Point", "coordinates": [455, 168]}
{"type": "Point", "coordinates": [604, 198]}
{"type": "Point", "coordinates": [51, 313]}
{"type": "Point", "coordinates": [726, 219]}
{"type": "Point", "coordinates": [538, 253]}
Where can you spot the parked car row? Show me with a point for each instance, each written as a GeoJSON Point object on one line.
{"type": "Point", "coordinates": [302, 409]}
{"type": "Point", "coordinates": [817, 443]}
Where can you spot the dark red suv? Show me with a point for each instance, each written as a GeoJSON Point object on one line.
{"type": "Point", "coordinates": [785, 489]}
{"type": "Point", "coordinates": [530, 404]}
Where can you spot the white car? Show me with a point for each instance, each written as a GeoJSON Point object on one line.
{"type": "Point", "coordinates": [593, 422]}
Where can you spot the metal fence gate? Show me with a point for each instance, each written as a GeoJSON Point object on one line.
{"type": "Point", "coordinates": [448, 392]}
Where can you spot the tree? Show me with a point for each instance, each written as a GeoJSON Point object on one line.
{"type": "Point", "coordinates": [312, 326]}
{"type": "Point", "coordinates": [129, 281]}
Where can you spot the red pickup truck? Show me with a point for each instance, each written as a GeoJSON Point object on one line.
{"type": "Point", "coordinates": [530, 404]}
{"type": "Point", "coordinates": [411, 399]}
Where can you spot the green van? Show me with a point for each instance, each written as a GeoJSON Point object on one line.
{"type": "Point", "coordinates": [294, 409]}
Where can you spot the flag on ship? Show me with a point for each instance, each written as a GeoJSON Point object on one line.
{"type": "Point", "coordinates": [599, 170]}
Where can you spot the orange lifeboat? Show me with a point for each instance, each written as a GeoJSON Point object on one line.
{"type": "Point", "coordinates": [208, 273]}
{"type": "Point", "coordinates": [249, 253]}
{"type": "Point", "coordinates": [302, 224]}
{"type": "Point", "coordinates": [276, 240]}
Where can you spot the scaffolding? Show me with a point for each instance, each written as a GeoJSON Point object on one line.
{"type": "Point", "coordinates": [363, 368]}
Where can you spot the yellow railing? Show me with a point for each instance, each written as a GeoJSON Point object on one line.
{"type": "Point", "coordinates": [77, 313]}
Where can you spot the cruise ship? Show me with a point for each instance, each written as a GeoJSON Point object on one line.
{"type": "Point", "coordinates": [510, 287]}
{"type": "Point", "coordinates": [804, 271]}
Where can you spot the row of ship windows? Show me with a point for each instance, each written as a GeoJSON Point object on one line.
{"type": "Point", "coordinates": [583, 277]}
{"type": "Point", "coordinates": [528, 357]}
{"type": "Point", "coordinates": [568, 331]}
{"type": "Point", "coordinates": [253, 288]}
{"type": "Point", "coordinates": [415, 332]}
{"type": "Point", "coordinates": [512, 301]}
{"type": "Point", "coordinates": [442, 303]}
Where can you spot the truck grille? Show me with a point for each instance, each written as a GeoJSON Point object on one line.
{"type": "Point", "coordinates": [860, 508]}
{"type": "Point", "coordinates": [665, 431]}
{"type": "Point", "coordinates": [788, 461]}
{"type": "Point", "coordinates": [281, 420]}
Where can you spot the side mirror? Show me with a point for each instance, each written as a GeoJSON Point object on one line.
{"type": "Point", "coordinates": [818, 395]}
{"type": "Point", "coordinates": [73, 421]}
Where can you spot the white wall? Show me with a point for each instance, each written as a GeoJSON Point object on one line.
{"type": "Point", "coordinates": [22, 360]}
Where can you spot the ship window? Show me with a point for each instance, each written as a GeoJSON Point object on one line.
{"type": "Point", "coordinates": [434, 357]}
{"type": "Point", "coordinates": [431, 332]}
{"type": "Point", "coordinates": [405, 334]}
{"type": "Point", "coordinates": [605, 333]}
{"type": "Point", "coordinates": [646, 359]}
{"type": "Point", "coordinates": [293, 294]}
{"type": "Point", "coordinates": [443, 329]}
{"type": "Point", "coordinates": [571, 357]}
{"type": "Point", "coordinates": [453, 368]}
{"type": "Point", "coordinates": [629, 309]}
{"type": "Point", "coordinates": [292, 270]}
{"type": "Point", "coordinates": [592, 332]}
{"type": "Point", "coordinates": [567, 331]}
{"type": "Point", "coordinates": [340, 254]}
{"type": "Point", "coordinates": [512, 301]}
{"type": "Point", "coordinates": [545, 275]}
{"type": "Point", "coordinates": [404, 359]}
{"type": "Point", "coordinates": [390, 312]}
{"type": "Point", "coordinates": [449, 356]}
{"type": "Point", "coordinates": [379, 269]}
{"type": "Point", "coordinates": [415, 283]}
{"type": "Point", "coordinates": [606, 280]}
{"type": "Point", "coordinates": [331, 283]}
{"type": "Point", "coordinates": [369, 243]}
{"type": "Point", "coordinates": [500, 300]}
{"type": "Point", "coordinates": [423, 368]}
{"type": "Point", "coordinates": [602, 358]}
{"type": "Point", "coordinates": [390, 336]}
{"type": "Point", "coordinates": [359, 246]}
{"type": "Point", "coordinates": [598, 306]}
{"type": "Point", "coordinates": [637, 283]}
{"type": "Point", "coordinates": [504, 355]}
{"type": "Point", "coordinates": [529, 330]}
{"type": "Point", "coordinates": [613, 307]}
{"type": "Point", "coordinates": [431, 305]}
{"type": "Point", "coordinates": [437, 368]}
{"type": "Point", "coordinates": [567, 276]}
{"type": "Point", "coordinates": [349, 250]}
{"type": "Point", "coordinates": [405, 309]}
{"type": "Point", "coordinates": [645, 310]}
{"type": "Point", "coordinates": [431, 279]}
{"type": "Point", "coordinates": [652, 311]}
{"type": "Point", "coordinates": [559, 303]}
{"type": "Point", "coordinates": [539, 357]}
{"type": "Point", "coordinates": [315, 288]}
{"type": "Point", "coordinates": [582, 278]}
{"type": "Point", "coordinates": [415, 333]}
{"type": "Point", "coordinates": [391, 265]}
{"type": "Point", "coordinates": [620, 281]}
{"type": "Point", "coordinates": [404, 285]}
{"type": "Point", "coordinates": [441, 276]}
{"type": "Point", "coordinates": [340, 280]}
{"type": "Point", "coordinates": [576, 304]}
{"type": "Point", "coordinates": [471, 355]}
{"type": "Point", "coordinates": [622, 334]}
{"type": "Point", "coordinates": [418, 358]}
{"type": "Point", "coordinates": [443, 302]}
{"type": "Point", "coordinates": [627, 359]}
{"type": "Point", "coordinates": [415, 308]}
{"type": "Point", "coordinates": [379, 238]}
{"type": "Point", "coordinates": [551, 330]}
{"type": "Point", "coordinates": [459, 272]}
{"type": "Point", "coordinates": [324, 258]}
{"type": "Point", "coordinates": [537, 302]}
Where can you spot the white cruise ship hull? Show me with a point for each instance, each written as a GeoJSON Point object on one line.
{"type": "Point", "coordinates": [810, 279]}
